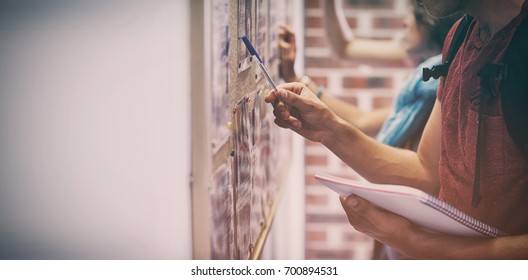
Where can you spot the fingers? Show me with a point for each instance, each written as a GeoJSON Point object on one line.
{"type": "Point", "coordinates": [290, 102]}
{"type": "Point", "coordinates": [296, 95]}
{"type": "Point", "coordinates": [285, 28]}
{"type": "Point", "coordinates": [291, 123]}
{"type": "Point", "coordinates": [284, 45]}
{"type": "Point", "coordinates": [295, 88]}
{"type": "Point", "coordinates": [271, 97]}
{"type": "Point", "coordinates": [357, 211]}
{"type": "Point", "coordinates": [369, 219]}
{"type": "Point", "coordinates": [354, 205]}
{"type": "Point", "coordinates": [286, 36]}
{"type": "Point", "coordinates": [292, 96]}
{"type": "Point", "coordinates": [280, 109]}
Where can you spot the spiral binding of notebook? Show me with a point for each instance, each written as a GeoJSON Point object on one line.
{"type": "Point", "coordinates": [463, 218]}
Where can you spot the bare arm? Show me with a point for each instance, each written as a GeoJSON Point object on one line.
{"type": "Point", "coordinates": [305, 114]}
{"type": "Point", "coordinates": [368, 122]}
{"type": "Point", "coordinates": [344, 44]}
{"type": "Point", "coordinates": [414, 242]}
{"type": "Point", "coordinates": [310, 117]}
{"type": "Point", "coordinates": [380, 163]}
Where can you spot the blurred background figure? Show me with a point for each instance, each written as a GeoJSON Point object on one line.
{"type": "Point", "coordinates": [421, 45]}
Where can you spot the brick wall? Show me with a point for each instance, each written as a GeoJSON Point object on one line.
{"type": "Point", "coordinates": [328, 234]}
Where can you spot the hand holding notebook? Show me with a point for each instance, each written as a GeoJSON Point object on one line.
{"type": "Point", "coordinates": [415, 205]}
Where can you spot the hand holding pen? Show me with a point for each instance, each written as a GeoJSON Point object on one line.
{"type": "Point", "coordinates": [295, 106]}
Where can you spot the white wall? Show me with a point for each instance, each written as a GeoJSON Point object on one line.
{"type": "Point", "coordinates": [94, 130]}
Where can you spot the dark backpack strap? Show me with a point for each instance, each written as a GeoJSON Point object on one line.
{"type": "Point", "coordinates": [513, 75]}
{"type": "Point", "coordinates": [458, 38]}
{"type": "Point", "coordinates": [514, 94]}
{"type": "Point", "coordinates": [514, 86]}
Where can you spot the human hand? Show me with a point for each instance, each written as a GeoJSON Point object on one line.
{"type": "Point", "coordinates": [287, 51]}
{"type": "Point", "coordinates": [382, 225]}
{"type": "Point", "coordinates": [297, 108]}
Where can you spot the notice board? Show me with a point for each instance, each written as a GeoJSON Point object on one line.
{"type": "Point", "coordinates": [239, 155]}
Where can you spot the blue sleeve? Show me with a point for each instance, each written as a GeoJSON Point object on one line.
{"type": "Point", "coordinates": [411, 107]}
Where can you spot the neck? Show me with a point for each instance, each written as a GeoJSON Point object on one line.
{"type": "Point", "coordinates": [493, 15]}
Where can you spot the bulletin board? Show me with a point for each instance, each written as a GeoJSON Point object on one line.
{"type": "Point", "coordinates": [239, 157]}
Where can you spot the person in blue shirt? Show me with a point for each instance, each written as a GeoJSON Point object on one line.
{"type": "Point", "coordinates": [411, 108]}
{"type": "Point", "coordinates": [399, 125]}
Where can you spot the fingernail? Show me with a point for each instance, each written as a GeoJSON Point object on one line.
{"type": "Point", "coordinates": [353, 201]}
{"type": "Point", "coordinates": [282, 94]}
{"type": "Point", "coordinates": [297, 125]}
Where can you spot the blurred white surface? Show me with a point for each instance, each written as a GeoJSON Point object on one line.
{"type": "Point", "coordinates": [94, 130]}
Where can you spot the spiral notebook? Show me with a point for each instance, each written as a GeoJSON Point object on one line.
{"type": "Point", "coordinates": [414, 204]}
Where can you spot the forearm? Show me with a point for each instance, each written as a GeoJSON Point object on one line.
{"type": "Point", "coordinates": [337, 34]}
{"type": "Point", "coordinates": [305, 114]}
{"type": "Point", "coordinates": [382, 50]}
{"type": "Point", "coordinates": [344, 110]}
{"type": "Point", "coordinates": [420, 244]}
{"type": "Point", "coordinates": [377, 162]}
{"type": "Point", "coordinates": [417, 243]}
{"type": "Point", "coordinates": [345, 45]}
{"type": "Point", "coordinates": [368, 122]}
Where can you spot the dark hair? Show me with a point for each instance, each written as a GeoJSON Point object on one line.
{"type": "Point", "coordinates": [435, 28]}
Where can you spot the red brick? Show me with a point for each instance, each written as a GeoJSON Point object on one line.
{"type": "Point", "coordinates": [316, 199]}
{"type": "Point", "coordinates": [314, 22]}
{"type": "Point", "coordinates": [355, 82]}
{"type": "Point", "coordinates": [367, 82]}
{"type": "Point", "coordinates": [315, 235]}
{"type": "Point", "coordinates": [310, 180]}
{"type": "Point", "coordinates": [333, 61]}
{"type": "Point", "coordinates": [387, 23]}
{"type": "Point", "coordinates": [320, 81]}
{"type": "Point", "coordinates": [327, 218]}
{"type": "Point", "coordinates": [339, 254]}
{"type": "Point", "coordinates": [328, 62]}
{"type": "Point", "coordinates": [314, 41]}
{"type": "Point", "coordinates": [310, 4]}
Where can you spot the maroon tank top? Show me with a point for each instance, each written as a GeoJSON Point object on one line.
{"type": "Point", "coordinates": [504, 170]}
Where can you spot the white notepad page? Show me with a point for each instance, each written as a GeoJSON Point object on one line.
{"type": "Point", "coordinates": [413, 204]}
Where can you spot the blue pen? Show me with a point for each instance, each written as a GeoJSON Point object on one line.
{"type": "Point", "coordinates": [254, 53]}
